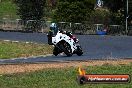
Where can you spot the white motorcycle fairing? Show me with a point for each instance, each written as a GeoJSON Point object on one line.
{"type": "Point", "coordinates": [63, 37]}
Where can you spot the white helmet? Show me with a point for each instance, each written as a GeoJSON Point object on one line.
{"type": "Point", "coordinates": [53, 25]}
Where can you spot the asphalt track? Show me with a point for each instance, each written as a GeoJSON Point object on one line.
{"type": "Point", "coordinates": [94, 47]}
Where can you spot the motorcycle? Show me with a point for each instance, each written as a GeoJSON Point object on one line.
{"type": "Point", "coordinates": [64, 42]}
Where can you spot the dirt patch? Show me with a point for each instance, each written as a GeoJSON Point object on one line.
{"type": "Point", "coordinates": [20, 68]}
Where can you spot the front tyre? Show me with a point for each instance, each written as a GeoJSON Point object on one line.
{"type": "Point", "coordinates": [56, 51]}
{"type": "Point", "coordinates": [67, 49]}
{"type": "Point", "coordinates": [79, 51]}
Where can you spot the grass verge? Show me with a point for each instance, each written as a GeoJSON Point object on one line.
{"type": "Point", "coordinates": [63, 77]}
{"type": "Point", "coordinates": [16, 50]}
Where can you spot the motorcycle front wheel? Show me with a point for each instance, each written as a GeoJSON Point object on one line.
{"type": "Point", "coordinates": [55, 51]}
{"type": "Point", "coordinates": [67, 49]}
{"type": "Point", "coordinates": [79, 51]}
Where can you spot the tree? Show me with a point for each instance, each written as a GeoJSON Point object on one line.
{"type": "Point", "coordinates": [116, 8]}
{"type": "Point", "coordinates": [113, 5]}
{"type": "Point", "coordinates": [100, 16]}
{"type": "Point", "coordinates": [73, 10]}
{"type": "Point", "coordinates": [30, 9]}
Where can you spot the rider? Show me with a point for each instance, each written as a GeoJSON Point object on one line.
{"type": "Point", "coordinates": [52, 32]}
{"type": "Point", "coordinates": [53, 28]}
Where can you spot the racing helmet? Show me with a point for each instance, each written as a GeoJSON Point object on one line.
{"type": "Point", "coordinates": [53, 25]}
{"type": "Point", "coordinates": [53, 28]}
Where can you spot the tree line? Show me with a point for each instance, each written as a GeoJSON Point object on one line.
{"type": "Point", "coordinates": [72, 10]}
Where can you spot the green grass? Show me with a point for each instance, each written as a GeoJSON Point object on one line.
{"type": "Point", "coordinates": [62, 78]}
{"type": "Point", "coordinates": [16, 50]}
{"type": "Point", "coordinates": [8, 9]}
